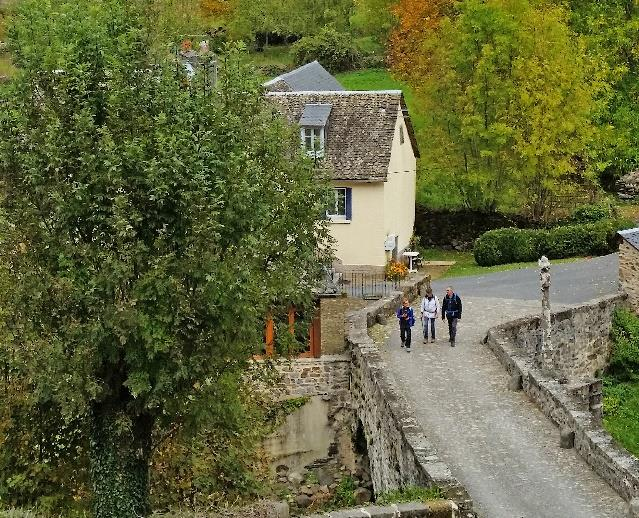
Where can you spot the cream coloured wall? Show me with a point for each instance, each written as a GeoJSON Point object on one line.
{"type": "Point", "coordinates": [361, 242]}
{"type": "Point", "coordinates": [399, 189]}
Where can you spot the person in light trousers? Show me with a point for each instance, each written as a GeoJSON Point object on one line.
{"type": "Point", "coordinates": [428, 313]}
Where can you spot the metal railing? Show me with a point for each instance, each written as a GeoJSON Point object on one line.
{"type": "Point", "coordinates": [366, 285]}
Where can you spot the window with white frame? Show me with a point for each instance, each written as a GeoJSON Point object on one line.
{"type": "Point", "coordinates": [313, 141]}
{"type": "Point", "coordinates": [340, 207]}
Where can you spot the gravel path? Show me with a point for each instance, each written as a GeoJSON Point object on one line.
{"type": "Point", "coordinates": [497, 442]}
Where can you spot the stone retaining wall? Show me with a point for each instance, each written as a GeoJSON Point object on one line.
{"type": "Point", "coordinates": [399, 453]}
{"type": "Point", "coordinates": [437, 509]}
{"type": "Point", "coordinates": [580, 337]}
{"type": "Point", "coordinates": [561, 402]}
{"type": "Point", "coordinates": [326, 379]}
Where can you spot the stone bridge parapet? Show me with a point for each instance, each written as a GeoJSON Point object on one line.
{"type": "Point", "coordinates": [564, 401]}
{"type": "Point", "coordinates": [400, 455]}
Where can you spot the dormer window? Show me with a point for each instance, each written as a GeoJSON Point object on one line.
{"type": "Point", "coordinates": [313, 125]}
{"type": "Point", "coordinates": [313, 141]}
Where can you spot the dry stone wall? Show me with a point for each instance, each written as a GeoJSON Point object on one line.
{"type": "Point", "coordinates": [565, 403]}
{"type": "Point", "coordinates": [399, 453]}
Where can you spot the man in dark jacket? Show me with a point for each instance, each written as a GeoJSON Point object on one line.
{"type": "Point", "coordinates": [451, 310]}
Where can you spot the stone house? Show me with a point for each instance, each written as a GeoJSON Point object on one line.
{"type": "Point", "coordinates": [366, 141]}
{"type": "Point", "coordinates": [629, 265]}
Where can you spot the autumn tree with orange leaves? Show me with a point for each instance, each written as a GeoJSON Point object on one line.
{"type": "Point", "coordinates": [416, 20]}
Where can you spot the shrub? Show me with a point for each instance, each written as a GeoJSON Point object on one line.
{"type": "Point", "coordinates": [593, 212]}
{"type": "Point", "coordinates": [510, 245]}
{"type": "Point", "coordinates": [335, 51]}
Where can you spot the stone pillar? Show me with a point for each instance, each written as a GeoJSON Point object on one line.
{"type": "Point", "coordinates": [544, 358]}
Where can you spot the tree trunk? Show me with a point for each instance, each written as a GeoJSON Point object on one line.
{"type": "Point", "coordinates": [119, 454]}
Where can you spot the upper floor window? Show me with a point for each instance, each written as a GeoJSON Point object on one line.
{"type": "Point", "coordinates": [340, 207]}
{"type": "Point", "coordinates": [313, 141]}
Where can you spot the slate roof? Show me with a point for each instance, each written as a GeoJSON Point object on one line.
{"type": "Point", "coordinates": [315, 115]}
{"type": "Point", "coordinates": [631, 236]}
{"type": "Point", "coordinates": [360, 130]}
{"type": "Point", "coordinates": [309, 77]}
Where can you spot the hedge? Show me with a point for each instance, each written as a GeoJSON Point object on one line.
{"type": "Point", "coordinates": [514, 245]}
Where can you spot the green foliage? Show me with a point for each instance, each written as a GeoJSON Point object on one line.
{"type": "Point", "coordinates": [286, 17]}
{"type": "Point", "coordinates": [624, 361]}
{"type": "Point", "coordinates": [593, 212]}
{"type": "Point", "coordinates": [343, 495]}
{"type": "Point", "coordinates": [509, 245]}
{"type": "Point", "coordinates": [621, 382]}
{"type": "Point", "coordinates": [621, 412]}
{"type": "Point", "coordinates": [512, 96]}
{"type": "Point", "coordinates": [335, 51]}
{"type": "Point", "coordinates": [409, 494]}
{"type": "Point", "coordinates": [148, 226]}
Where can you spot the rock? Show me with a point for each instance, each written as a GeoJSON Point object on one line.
{"type": "Point", "coordinates": [303, 501]}
{"type": "Point", "coordinates": [566, 438]}
{"type": "Point", "coordinates": [283, 480]}
{"type": "Point", "coordinates": [515, 382]}
{"type": "Point", "coordinates": [295, 478]}
{"type": "Point", "coordinates": [362, 495]}
{"type": "Point", "coordinates": [307, 490]}
{"type": "Point", "coordinates": [282, 469]}
{"type": "Point", "coordinates": [324, 489]}
{"type": "Point", "coordinates": [320, 498]}
{"type": "Point", "coordinates": [324, 477]}
{"type": "Point", "coordinates": [381, 319]}
{"type": "Point", "coordinates": [358, 472]}
{"type": "Point", "coordinates": [633, 508]}
{"type": "Point", "coordinates": [278, 510]}
{"type": "Point", "coordinates": [628, 185]}
{"type": "Point", "coordinates": [332, 486]}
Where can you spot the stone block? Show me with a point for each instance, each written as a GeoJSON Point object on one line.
{"type": "Point", "coordinates": [278, 510]}
{"type": "Point", "coordinates": [515, 382]}
{"type": "Point", "coordinates": [566, 438]}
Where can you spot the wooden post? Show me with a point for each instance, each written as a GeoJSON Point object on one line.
{"type": "Point", "coordinates": [291, 320]}
{"type": "Point", "coordinates": [316, 335]}
{"type": "Point", "coordinates": [269, 335]}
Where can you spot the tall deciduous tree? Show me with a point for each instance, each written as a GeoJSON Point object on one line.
{"type": "Point", "coordinates": [611, 29]}
{"type": "Point", "coordinates": [513, 98]}
{"type": "Point", "coordinates": [147, 226]}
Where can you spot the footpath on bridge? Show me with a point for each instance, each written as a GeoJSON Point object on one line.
{"type": "Point", "coordinates": [496, 442]}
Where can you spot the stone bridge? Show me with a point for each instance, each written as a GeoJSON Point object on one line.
{"type": "Point", "coordinates": [446, 416]}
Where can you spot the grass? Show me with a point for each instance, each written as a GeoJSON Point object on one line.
{"type": "Point", "coordinates": [621, 413]}
{"type": "Point", "coordinates": [409, 494]}
{"type": "Point", "coordinates": [6, 67]}
{"type": "Point", "coordinates": [465, 264]}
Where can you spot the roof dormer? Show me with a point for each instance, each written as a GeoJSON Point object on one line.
{"type": "Point", "coordinates": [313, 124]}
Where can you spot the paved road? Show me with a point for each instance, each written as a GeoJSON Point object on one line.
{"type": "Point", "coordinates": [572, 282]}
{"type": "Point", "coordinates": [496, 442]}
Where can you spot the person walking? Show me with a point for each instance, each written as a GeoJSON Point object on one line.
{"type": "Point", "coordinates": [428, 314]}
{"type": "Point", "coordinates": [406, 321]}
{"type": "Point", "coordinates": [451, 310]}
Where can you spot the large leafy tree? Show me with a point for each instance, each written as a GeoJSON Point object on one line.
{"type": "Point", "coordinates": [513, 97]}
{"type": "Point", "coordinates": [611, 30]}
{"type": "Point", "coordinates": [147, 226]}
